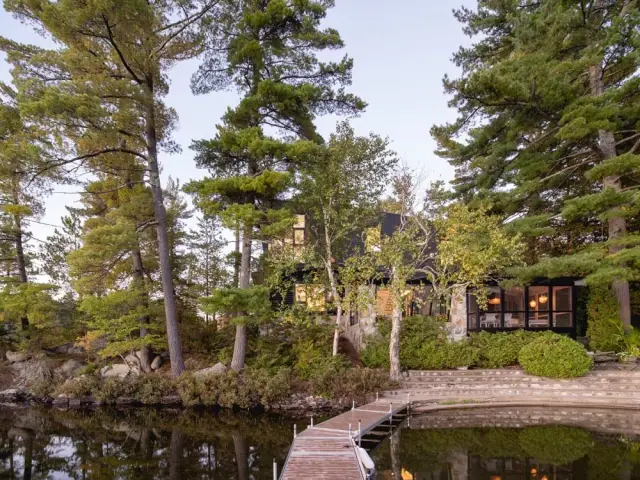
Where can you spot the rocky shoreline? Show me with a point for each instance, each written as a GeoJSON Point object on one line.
{"type": "Point", "coordinates": [298, 404]}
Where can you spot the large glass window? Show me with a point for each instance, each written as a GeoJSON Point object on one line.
{"type": "Point", "coordinates": [514, 309]}
{"type": "Point", "coordinates": [538, 307]}
{"type": "Point", "coordinates": [562, 307]}
{"type": "Point", "coordinates": [491, 315]}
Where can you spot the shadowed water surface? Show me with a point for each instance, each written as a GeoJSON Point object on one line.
{"type": "Point", "coordinates": [422, 449]}
{"type": "Point", "coordinates": [140, 444]}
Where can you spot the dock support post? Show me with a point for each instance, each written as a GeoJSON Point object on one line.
{"type": "Point", "coordinates": [295, 430]}
{"type": "Point", "coordinates": [377, 396]}
{"type": "Point", "coordinates": [275, 470]}
{"type": "Point", "coordinates": [359, 433]}
{"type": "Point", "coordinates": [350, 432]}
{"type": "Point", "coordinates": [353, 404]}
{"type": "Point", "coordinates": [311, 421]}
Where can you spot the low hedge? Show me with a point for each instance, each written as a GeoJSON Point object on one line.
{"type": "Point", "coordinates": [555, 356]}
{"type": "Point", "coordinates": [485, 350]}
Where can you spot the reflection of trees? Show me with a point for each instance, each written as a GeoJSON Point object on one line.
{"type": "Point", "coordinates": [241, 449]}
{"type": "Point", "coordinates": [141, 444]}
{"type": "Point", "coordinates": [426, 452]}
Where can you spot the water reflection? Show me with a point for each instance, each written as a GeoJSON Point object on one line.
{"type": "Point", "coordinates": [549, 452]}
{"type": "Point", "coordinates": [139, 444]}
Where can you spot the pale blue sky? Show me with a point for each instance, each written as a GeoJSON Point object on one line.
{"type": "Point", "coordinates": [401, 49]}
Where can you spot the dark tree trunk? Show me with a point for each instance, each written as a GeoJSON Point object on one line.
{"type": "Point", "coordinates": [236, 259]}
{"type": "Point", "coordinates": [617, 226]}
{"type": "Point", "coordinates": [139, 281]}
{"type": "Point", "coordinates": [173, 331]}
{"type": "Point", "coordinates": [20, 259]}
{"type": "Point", "coordinates": [138, 275]}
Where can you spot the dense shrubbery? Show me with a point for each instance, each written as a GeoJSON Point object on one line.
{"type": "Point", "coordinates": [252, 388]}
{"type": "Point", "coordinates": [604, 328]}
{"type": "Point", "coordinates": [496, 350]}
{"type": "Point", "coordinates": [484, 350]}
{"type": "Point", "coordinates": [556, 356]}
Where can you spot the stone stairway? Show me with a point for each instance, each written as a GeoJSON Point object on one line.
{"type": "Point", "coordinates": [606, 387]}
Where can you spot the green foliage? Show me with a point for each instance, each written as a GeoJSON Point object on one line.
{"type": "Point", "coordinates": [501, 349]}
{"type": "Point", "coordinates": [375, 354]}
{"type": "Point", "coordinates": [555, 356]}
{"type": "Point", "coordinates": [337, 382]}
{"type": "Point", "coordinates": [548, 112]}
{"type": "Point", "coordinates": [149, 389]}
{"type": "Point", "coordinates": [252, 388]}
{"type": "Point", "coordinates": [604, 325]}
{"type": "Point", "coordinates": [254, 302]}
{"type": "Point", "coordinates": [557, 445]}
{"type": "Point", "coordinates": [79, 387]}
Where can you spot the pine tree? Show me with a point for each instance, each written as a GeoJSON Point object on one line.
{"type": "Point", "coordinates": [112, 270]}
{"type": "Point", "coordinates": [268, 50]}
{"type": "Point", "coordinates": [548, 134]}
{"type": "Point", "coordinates": [205, 263]}
{"type": "Point", "coordinates": [57, 246]}
{"type": "Point", "coordinates": [22, 149]}
{"type": "Point", "coordinates": [110, 78]}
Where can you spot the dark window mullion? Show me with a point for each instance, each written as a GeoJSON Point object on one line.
{"type": "Point", "coordinates": [526, 307]}
{"type": "Point", "coordinates": [550, 289]}
{"type": "Point", "coordinates": [502, 308]}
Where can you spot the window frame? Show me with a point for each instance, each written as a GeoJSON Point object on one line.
{"type": "Point", "coordinates": [474, 317]}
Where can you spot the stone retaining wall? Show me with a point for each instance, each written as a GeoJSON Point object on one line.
{"type": "Point", "coordinates": [603, 387]}
{"type": "Point", "coordinates": [607, 421]}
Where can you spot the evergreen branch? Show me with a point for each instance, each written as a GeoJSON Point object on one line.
{"type": "Point", "coordinates": [119, 52]}
{"type": "Point", "coordinates": [188, 21]}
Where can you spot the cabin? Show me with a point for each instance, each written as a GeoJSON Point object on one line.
{"type": "Point", "coordinates": [546, 304]}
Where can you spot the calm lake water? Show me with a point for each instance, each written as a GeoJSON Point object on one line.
{"type": "Point", "coordinates": [161, 444]}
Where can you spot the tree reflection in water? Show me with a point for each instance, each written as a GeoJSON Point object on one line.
{"type": "Point", "coordinates": [140, 444]}
{"type": "Point", "coordinates": [531, 453]}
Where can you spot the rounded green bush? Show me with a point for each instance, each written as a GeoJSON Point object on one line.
{"type": "Point", "coordinates": [555, 356]}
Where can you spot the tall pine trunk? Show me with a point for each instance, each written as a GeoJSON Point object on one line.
{"type": "Point", "coordinates": [617, 226]}
{"type": "Point", "coordinates": [173, 332]}
{"type": "Point", "coordinates": [140, 283]}
{"type": "Point", "coordinates": [240, 344]}
{"type": "Point", "coordinates": [394, 340]}
{"type": "Point", "coordinates": [21, 262]}
{"type": "Point", "coordinates": [138, 278]}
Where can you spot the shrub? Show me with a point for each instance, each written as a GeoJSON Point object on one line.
{"type": "Point", "coordinates": [112, 388]}
{"type": "Point", "coordinates": [460, 354]}
{"type": "Point", "coordinates": [556, 356]}
{"type": "Point", "coordinates": [149, 389]}
{"type": "Point", "coordinates": [376, 353]}
{"type": "Point", "coordinates": [79, 387]}
{"type": "Point", "coordinates": [349, 383]}
{"type": "Point", "coordinates": [501, 349]}
{"type": "Point", "coordinates": [188, 389]}
{"type": "Point", "coordinates": [604, 326]}
{"type": "Point", "coordinates": [265, 387]}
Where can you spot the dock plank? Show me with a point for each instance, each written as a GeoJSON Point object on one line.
{"type": "Point", "coordinates": [328, 451]}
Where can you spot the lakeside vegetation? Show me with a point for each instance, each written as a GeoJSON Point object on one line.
{"type": "Point", "coordinates": [546, 149]}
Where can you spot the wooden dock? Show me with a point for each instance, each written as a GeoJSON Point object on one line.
{"type": "Point", "coordinates": [329, 450]}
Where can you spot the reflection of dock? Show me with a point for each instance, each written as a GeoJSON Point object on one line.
{"type": "Point", "coordinates": [330, 450]}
